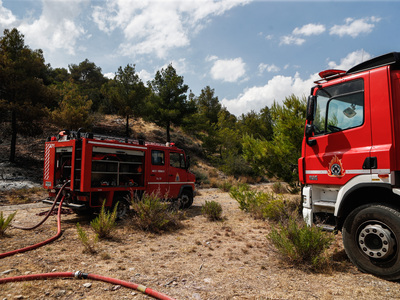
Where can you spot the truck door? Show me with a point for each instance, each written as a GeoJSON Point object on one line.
{"type": "Point", "coordinates": [157, 180]}
{"type": "Point", "coordinates": [341, 144]}
{"type": "Point", "coordinates": [177, 174]}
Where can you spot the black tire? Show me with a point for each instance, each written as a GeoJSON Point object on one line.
{"type": "Point", "coordinates": [186, 199]}
{"type": "Point", "coordinates": [371, 237]}
{"type": "Point", "coordinates": [123, 208]}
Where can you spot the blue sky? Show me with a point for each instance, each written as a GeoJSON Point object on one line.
{"type": "Point", "coordinates": [251, 52]}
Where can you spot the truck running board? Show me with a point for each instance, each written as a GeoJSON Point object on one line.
{"type": "Point", "coordinates": [327, 227]}
{"type": "Point", "coordinates": [71, 205]}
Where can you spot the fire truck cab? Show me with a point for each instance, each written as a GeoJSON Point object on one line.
{"type": "Point", "coordinates": [350, 164]}
{"type": "Point", "coordinates": [113, 170]}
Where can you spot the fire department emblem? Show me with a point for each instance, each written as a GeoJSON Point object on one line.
{"type": "Point", "coordinates": [336, 168]}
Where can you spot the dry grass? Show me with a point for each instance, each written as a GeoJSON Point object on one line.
{"type": "Point", "coordinates": [231, 259]}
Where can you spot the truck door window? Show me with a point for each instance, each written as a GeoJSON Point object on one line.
{"type": "Point", "coordinates": [339, 107]}
{"type": "Point", "coordinates": [157, 157]}
{"type": "Point", "coordinates": [177, 160]}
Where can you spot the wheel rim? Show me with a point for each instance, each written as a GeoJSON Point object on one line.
{"type": "Point", "coordinates": [122, 209]}
{"type": "Point", "coordinates": [376, 241]}
{"type": "Point", "coordinates": [184, 200]}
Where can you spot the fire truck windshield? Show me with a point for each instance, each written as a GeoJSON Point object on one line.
{"type": "Point", "coordinates": [339, 107]}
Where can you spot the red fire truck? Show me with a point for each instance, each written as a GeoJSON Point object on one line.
{"type": "Point", "coordinates": [113, 170]}
{"type": "Point", "coordinates": [350, 164]}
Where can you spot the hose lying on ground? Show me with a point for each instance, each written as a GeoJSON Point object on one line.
{"type": "Point", "coordinates": [131, 285]}
{"type": "Point", "coordinates": [78, 274]}
{"type": "Point", "coordinates": [59, 232]}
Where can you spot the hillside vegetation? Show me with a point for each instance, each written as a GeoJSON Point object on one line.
{"type": "Point", "coordinates": [34, 97]}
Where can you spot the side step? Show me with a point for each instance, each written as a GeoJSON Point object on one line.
{"type": "Point", "coordinates": [327, 227]}
{"type": "Point", "coordinates": [71, 205]}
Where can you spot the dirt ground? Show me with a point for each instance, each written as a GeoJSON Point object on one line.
{"type": "Point", "coordinates": [231, 259]}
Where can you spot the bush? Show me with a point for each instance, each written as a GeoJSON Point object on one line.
{"type": "Point", "coordinates": [86, 242]}
{"type": "Point", "coordinates": [279, 188]}
{"type": "Point", "coordinates": [213, 210]}
{"type": "Point", "coordinates": [261, 205]}
{"type": "Point", "coordinates": [225, 186]}
{"type": "Point", "coordinates": [201, 177]}
{"type": "Point", "coordinates": [151, 214]}
{"type": "Point", "coordinates": [299, 244]}
{"type": "Point", "coordinates": [105, 222]}
{"type": "Point", "coordinates": [243, 195]}
{"type": "Point", "coordinates": [5, 223]}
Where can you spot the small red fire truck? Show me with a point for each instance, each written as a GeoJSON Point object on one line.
{"type": "Point", "coordinates": [350, 164]}
{"type": "Point", "coordinates": [113, 170]}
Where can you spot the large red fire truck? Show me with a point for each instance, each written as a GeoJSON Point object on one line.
{"type": "Point", "coordinates": [113, 170]}
{"type": "Point", "coordinates": [350, 164]}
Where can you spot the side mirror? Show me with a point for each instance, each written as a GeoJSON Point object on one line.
{"type": "Point", "coordinates": [309, 130]}
{"type": "Point", "coordinates": [310, 107]}
{"type": "Point", "coordinates": [187, 162]}
{"type": "Point", "coordinates": [308, 133]}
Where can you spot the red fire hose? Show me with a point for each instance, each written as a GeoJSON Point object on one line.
{"type": "Point", "coordinates": [59, 232]}
{"type": "Point", "coordinates": [78, 274]}
{"type": "Point", "coordinates": [49, 212]}
{"type": "Point", "coordinates": [131, 285]}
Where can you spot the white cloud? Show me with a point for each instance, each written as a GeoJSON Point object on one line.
{"type": "Point", "coordinates": [179, 65]}
{"type": "Point", "coordinates": [56, 27]}
{"type": "Point", "coordinates": [158, 26]}
{"type": "Point", "coordinates": [6, 16]}
{"type": "Point", "coordinates": [354, 28]}
{"type": "Point", "coordinates": [309, 29]}
{"type": "Point", "coordinates": [228, 70]}
{"type": "Point", "coordinates": [269, 68]}
{"type": "Point", "coordinates": [109, 75]}
{"type": "Point", "coordinates": [145, 76]}
{"type": "Point", "coordinates": [296, 38]}
{"type": "Point", "coordinates": [279, 87]}
{"type": "Point", "coordinates": [350, 60]}
{"type": "Point", "coordinates": [290, 39]}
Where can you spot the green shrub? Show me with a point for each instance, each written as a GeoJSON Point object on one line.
{"type": "Point", "coordinates": [260, 205]}
{"type": "Point", "coordinates": [151, 214]}
{"type": "Point", "coordinates": [243, 195]}
{"type": "Point", "coordinates": [201, 177]}
{"type": "Point", "coordinates": [5, 222]}
{"type": "Point", "coordinates": [300, 244]}
{"type": "Point", "coordinates": [268, 206]}
{"type": "Point", "coordinates": [89, 244]}
{"type": "Point", "coordinates": [225, 186]}
{"type": "Point", "coordinates": [212, 210]}
{"type": "Point", "coordinates": [104, 224]}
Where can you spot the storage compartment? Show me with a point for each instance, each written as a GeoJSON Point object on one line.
{"type": "Point", "coordinates": [117, 168]}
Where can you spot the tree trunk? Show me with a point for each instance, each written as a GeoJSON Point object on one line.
{"type": "Point", "coordinates": [127, 126]}
{"type": "Point", "coordinates": [13, 135]}
{"type": "Point", "coordinates": [168, 135]}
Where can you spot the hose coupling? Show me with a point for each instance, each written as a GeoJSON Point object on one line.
{"type": "Point", "coordinates": [80, 275]}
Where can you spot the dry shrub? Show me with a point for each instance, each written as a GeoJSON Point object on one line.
{"type": "Point", "coordinates": [212, 210]}
{"type": "Point", "coordinates": [153, 215]}
{"type": "Point", "coordinates": [22, 196]}
{"type": "Point", "coordinates": [213, 173]}
{"type": "Point", "coordinates": [279, 188]}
